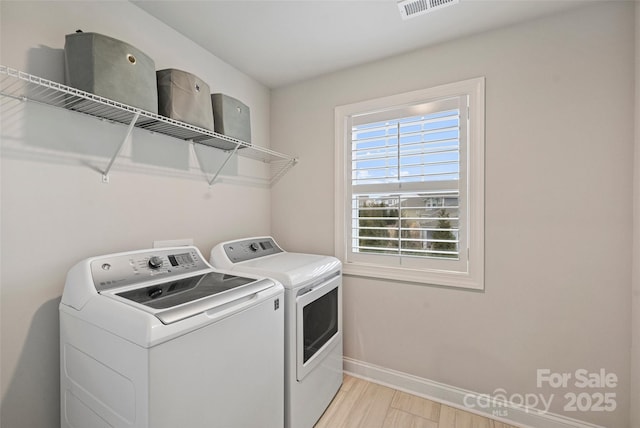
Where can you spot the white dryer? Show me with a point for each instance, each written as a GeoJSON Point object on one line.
{"type": "Point", "coordinates": [159, 339]}
{"type": "Point", "coordinates": [313, 319]}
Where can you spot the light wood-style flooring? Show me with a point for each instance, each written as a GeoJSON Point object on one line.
{"type": "Point", "coordinates": [363, 404]}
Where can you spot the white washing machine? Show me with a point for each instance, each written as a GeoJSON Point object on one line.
{"type": "Point", "coordinates": [159, 339]}
{"type": "Point", "coordinates": [313, 319]}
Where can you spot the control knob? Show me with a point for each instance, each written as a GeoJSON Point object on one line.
{"type": "Point", "coordinates": [155, 262]}
{"type": "Point", "coordinates": [254, 246]}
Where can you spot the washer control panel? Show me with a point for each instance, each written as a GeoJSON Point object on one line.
{"type": "Point", "coordinates": [240, 251]}
{"type": "Point", "coordinates": [130, 268]}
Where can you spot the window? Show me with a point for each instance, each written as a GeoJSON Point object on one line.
{"type": "Point", "coordinates": [410, 186]}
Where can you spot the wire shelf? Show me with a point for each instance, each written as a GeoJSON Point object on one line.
{"type": "Point", "coordinates": [26, 87]}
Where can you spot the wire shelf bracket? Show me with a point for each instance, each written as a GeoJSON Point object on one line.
{"type": "Point", "coordinates": [127, 137]}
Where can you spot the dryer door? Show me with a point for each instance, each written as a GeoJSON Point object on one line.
{"type": "Point", "coordinates": [318, 323]}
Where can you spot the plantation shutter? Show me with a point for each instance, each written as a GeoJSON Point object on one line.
{"type": "Point", "coordinates": [406, 169]}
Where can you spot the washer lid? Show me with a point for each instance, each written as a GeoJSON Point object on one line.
{"type": "Point", "coordinates": [291, 269]}
{"type": "Point", "coordinates": [185, 290]}
{"type": "Point", "coordinates": [183, 298]}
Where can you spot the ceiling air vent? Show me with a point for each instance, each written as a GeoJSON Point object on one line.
{"type": "Point", "coordinates": [411, 8]}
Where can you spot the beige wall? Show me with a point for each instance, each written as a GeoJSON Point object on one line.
{"type": "Point", "coordinates": [55, 209]}
{"type": "Point", "coordinates": [635, 295]}
{"type": "Point", "coordinates": [559, 151]}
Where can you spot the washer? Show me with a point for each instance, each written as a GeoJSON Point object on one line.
{"type": "Point", "coordinates": [159, 339]}
{"type": "Point", "coordinates": [313, 319]}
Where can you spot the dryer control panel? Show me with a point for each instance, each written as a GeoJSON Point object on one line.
{"type": "Point", "coordinates": [248, 249]}
{"type": "Point", "coordinates": [130, 268]}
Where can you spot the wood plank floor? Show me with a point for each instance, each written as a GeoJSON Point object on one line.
{"type": "Point", "coordinates": [363, 404]}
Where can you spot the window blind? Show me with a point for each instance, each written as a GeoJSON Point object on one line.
{"type": "Point", "coordinates": [405, 177]}
{"type": "Point", "coordinates": [413, 149]}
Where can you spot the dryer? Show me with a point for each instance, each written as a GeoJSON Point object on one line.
{"type": "Point", "coordinates": [159, 339]}
{"type": "Point", "coordinates": [313, 319]}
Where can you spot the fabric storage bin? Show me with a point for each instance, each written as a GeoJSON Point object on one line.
{"type": "Point", "coordinates": [184, 97]}
{"type": "Point", "coordinates": [231, 117]}
{"type": "Point", "coordinates": [111, 69]}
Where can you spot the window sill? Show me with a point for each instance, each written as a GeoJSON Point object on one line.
{"type": "Point", "coordinates": [461, 280]}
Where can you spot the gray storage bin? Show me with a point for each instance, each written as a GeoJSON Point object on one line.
{"type": "Point", "coordinates": [111, 69]}
{"type": "Point", "coordinates": [184, 97]}
{"type": "Point", "coordinates": [231, 117]}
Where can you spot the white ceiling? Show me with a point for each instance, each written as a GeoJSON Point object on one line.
{"type": "Point", "coordinates": [282, 42]}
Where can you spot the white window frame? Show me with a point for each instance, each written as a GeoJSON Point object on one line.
{"type": "Point", "coordinates": [468, 274]}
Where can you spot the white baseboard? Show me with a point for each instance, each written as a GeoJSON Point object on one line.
{"type": "Point", "coordinates": [506, 412]}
